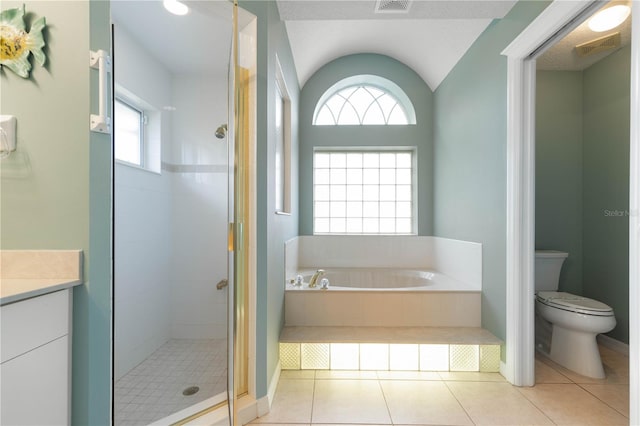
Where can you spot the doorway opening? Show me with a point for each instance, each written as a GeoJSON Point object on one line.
{"type": "Point", "coordinates": [553, 23]}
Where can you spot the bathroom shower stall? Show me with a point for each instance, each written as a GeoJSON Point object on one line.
{"type": "Point", "coordinates": [173, 202]}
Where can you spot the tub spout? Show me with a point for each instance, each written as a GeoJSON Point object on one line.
{"type": "Point", "coordinates": [313, 282]}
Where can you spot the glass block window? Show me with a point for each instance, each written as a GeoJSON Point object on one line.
{"type": "Point", "coordinates": [361, 104]}
{"type": "Point", "coordinates": [363, 192]}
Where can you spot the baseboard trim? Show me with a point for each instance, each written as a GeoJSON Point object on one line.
{"type": "Point", "coordinates": [247, 409]}
{"type": "Point", "coordinates": [262, 406]}
{"type": "Point", "coordinates": [273, 385]}
{"type": "Point", "coordinates": [613, 344]}
{"type": "Point", "coordinates": [503, 371]}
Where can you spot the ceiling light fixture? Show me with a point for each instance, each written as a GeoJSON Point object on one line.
{"type": "Point", "coordinates": [609, 18]}
{"type": "Point", "coordinates": [176, 7]}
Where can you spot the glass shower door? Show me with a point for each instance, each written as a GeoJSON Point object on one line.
{"type": "Point", "coordinates": [171, 209]}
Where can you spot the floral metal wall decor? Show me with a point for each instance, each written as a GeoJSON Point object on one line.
{"type": "Point", "coordinates": [16, 43]}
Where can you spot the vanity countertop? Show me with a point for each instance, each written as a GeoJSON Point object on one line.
{"type": "Point", "coordinates": [16, 289]}
{"type": "Point", "coordinates": [29, 273]}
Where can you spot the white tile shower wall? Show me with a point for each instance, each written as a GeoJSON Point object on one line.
{"type": "Point", "coordinates": [199, 208]}
{"type": "Point", "coordinates": [201, 106]}
{"type": "Point", "coordinates": [142, 258]}
{"type": "Point", "coordinates": [199, 259]}
{"type": "Point", "coordinates": [461, 260]}
{"type": "Point", "coordinates": [142, 222]}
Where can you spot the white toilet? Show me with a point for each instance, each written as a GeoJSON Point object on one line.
{"type": "Point", "coordinates": [566, 324]}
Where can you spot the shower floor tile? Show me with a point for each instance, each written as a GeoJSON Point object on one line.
{"type": "Point", "coordinates": [154, 389]}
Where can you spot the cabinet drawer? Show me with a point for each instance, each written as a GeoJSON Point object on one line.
{"type": "Point", "coordinates": [35, 387]}
{"type": "Point", "coordinates": [30, 323]}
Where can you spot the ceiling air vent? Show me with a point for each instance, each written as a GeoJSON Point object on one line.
{"type": "Point", "coordinates": [392, 6]}
{"type": "Point", "coordinates": [598, 45]}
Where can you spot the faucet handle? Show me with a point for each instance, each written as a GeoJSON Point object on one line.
{"type": "Point", "coordinates": [324, 283]}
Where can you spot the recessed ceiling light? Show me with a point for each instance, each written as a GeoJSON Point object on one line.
{"type": "Point", "coordinates": [609, 18]}
{"type": "Point", "coordinates": [175, 7]}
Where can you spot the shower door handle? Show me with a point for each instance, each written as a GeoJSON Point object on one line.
{"type": "Point", "coordinates": [222, 284]}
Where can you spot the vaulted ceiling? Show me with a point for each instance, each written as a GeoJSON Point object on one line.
{"type": "Point", "coordinates": [430, 36]}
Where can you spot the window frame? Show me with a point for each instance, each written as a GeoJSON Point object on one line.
{"type": "Point", "coordinates": [141, 137]}
{"type": "Point", "coordinates": [283, 175]}
{"type": "Point", "coordinates": [370, 149]}
{"type": "Point", "coordinates": [374, 81]}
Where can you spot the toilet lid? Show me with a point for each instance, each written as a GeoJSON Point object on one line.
{"type": "Point", "coordinates": [571, 302]}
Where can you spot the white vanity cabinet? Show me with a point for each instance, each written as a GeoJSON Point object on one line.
{"type": "Point", "coordinates": [35, 374]}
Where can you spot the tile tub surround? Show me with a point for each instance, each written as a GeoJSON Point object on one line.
{"type": "Point", "coordinates": [461, 260]}
{"type": "Point", "coordinates": [383, 308]}
{"type": "Point", "coordinates": [29, 273]}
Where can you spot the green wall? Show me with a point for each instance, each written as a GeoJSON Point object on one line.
{"type": "Point", "coordinates": [470, 150]}
{"type": "Point", "coordinates": [606, 185]}
{"type": "Point", "coordinates": [272, 230]}
{"type": "Point", "coordinates": [419, 135]}
{"type": "Point", "coordinates": [60, 197]}
{"type": "Point", "coordinates": [559, 168]}
{"type": "Point", "coordinates": [582, 179]}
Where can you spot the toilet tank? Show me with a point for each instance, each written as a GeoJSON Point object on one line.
{"type": "Point", "coordinates": [547, 269]}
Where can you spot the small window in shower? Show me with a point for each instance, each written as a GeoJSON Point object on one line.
{"type": "Point", "coordinates": [129, 133]}
{"type": "Point", "coordinates": [368, 191]}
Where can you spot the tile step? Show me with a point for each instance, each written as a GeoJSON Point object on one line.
{"type": "Point", "coordinates": [389, 348]}
{"type": "Point", "coordinates": [434, 335]}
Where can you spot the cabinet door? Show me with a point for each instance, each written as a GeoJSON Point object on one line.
{"type": "Point", "coordinates": [35, 386]}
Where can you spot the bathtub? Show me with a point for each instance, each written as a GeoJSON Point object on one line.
{"type": "Point", "coordinates": [389, 297]}
{"type": "Point", "coordinates": [382, 279]}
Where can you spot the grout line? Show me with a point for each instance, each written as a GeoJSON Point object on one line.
{"type": "Point", "coordinates": [313, 396]}
{"type": "Point", "coordinates": [446, 383]}
{"type": "Point", "coordinates": [535, 405]}
{"type": "Point", "coordinates": [601, 400]}
{"type": "Point", "coordinates": [386, 403]}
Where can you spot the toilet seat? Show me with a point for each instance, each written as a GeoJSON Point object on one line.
{"type": "Point", "coordinates": [573, 303]}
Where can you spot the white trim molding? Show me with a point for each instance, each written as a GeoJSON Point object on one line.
{"type": "Point", "coordinates": [559, 18]}
{"type": "Point", "coordinates": [519, 365]}
{"type": "Point", "coordinates": [634, 223]}
{"type": "Point", "coordinates": [613, 344]}
{"type": "Point", "coordinates": [271, 394]}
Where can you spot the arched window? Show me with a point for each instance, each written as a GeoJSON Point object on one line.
{"type": "Point", "coordinates": [364, 100]}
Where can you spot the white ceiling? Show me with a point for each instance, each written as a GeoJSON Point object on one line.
{"type": "Point", "coordinates": [198, 42]}
{"type": "Point", "coordinates": [431, 38]}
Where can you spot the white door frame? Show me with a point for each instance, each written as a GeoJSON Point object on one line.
{"type": "Point", "coordinates": [554, 22]}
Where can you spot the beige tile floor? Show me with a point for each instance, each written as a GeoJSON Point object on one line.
{"type": "Point", "coordinates": [428, 398]}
